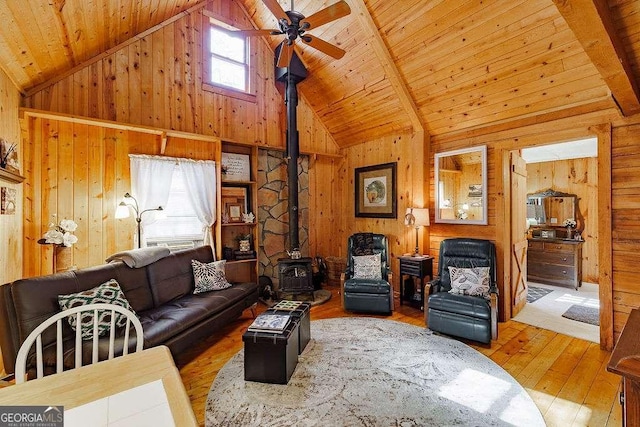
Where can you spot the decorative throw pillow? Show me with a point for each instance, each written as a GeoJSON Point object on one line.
{"type": "Point", "coordinates": [108, 293]}
{"type": "Point", "coordinates": [367, 267]}
{"type": "Point", "coordinates": [209, 277]}
{"type": "Point", "coordinates": [470, 281]}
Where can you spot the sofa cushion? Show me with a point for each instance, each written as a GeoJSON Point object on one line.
{"type": "Point", "coordinates": [108, 293]}
{"type": "Point", "coordinates": [209, 276]}
{"type": "Point", "coordinates": [162, 323]}
{"type": "Point", "coordinates": [133, 282]}
{"type": "Point", "coordinates": [172, 277]}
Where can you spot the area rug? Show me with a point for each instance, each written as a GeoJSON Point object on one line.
{"type": "Point", "coordinates": [547, 312]}
{"type": "Point", "coordinates": [375, 372]}
{"type": "Point", "coordinates": [534, 293]}
{"type": "Point", "coordinates": [584, 314]}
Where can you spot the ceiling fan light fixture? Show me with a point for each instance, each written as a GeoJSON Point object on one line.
{"type": "Point", "coordinates": [294, 24]}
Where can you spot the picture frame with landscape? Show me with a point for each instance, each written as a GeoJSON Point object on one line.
{"type": "Point", "coordinates": [375, 192]}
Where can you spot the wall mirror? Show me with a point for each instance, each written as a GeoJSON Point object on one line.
{"type": "Point", "coordinates": [551, 208]}
{"type": "Point", "coordinates": [461, 186]}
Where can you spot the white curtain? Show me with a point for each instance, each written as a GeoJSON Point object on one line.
{"type": "Point", "coordinates": [150, 184]}
{"type": "Point", "coordinates": [200, 177]}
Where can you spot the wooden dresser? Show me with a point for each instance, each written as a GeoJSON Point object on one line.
{"type": "Point", "coordinates": [555, 262]}
{"type": "Point", "coordinates": [625, 361]}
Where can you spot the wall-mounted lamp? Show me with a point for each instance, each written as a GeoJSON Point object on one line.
{"type": "Point", "coordinates": [416, 217]}
{"type": "Point", "coordinates": [123, 212]}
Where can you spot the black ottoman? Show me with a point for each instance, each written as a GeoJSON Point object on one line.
{"type": "Point", "coordinates": [301, 314]}
{"type": "Point", "coordinates": [271, 357]}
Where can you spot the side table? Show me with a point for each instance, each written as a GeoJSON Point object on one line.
{"type": "Point", "coordinates": [418, 267]}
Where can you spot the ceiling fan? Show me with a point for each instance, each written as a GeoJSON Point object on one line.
{"type": "Point", "coordinates": [294, 25]}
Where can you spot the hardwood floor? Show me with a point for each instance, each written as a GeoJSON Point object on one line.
{"type": "Point", "coordinates": [566, 377]}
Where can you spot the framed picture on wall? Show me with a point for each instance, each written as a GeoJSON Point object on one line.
{"type": "Point", "coordinates": [375, 192]}
{"type": "Point", "coordinates": [7, 201]}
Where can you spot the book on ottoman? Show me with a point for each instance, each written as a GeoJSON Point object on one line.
{"type": "Point", "coordinates": [299, 311]}
{"type": "Point", "coordinates": [270, 322]}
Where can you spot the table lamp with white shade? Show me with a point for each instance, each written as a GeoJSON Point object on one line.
{"type": "Point", "coordinates": [416, 217]}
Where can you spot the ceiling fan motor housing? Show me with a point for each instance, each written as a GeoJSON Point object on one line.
{"type": "Point", "coordinates": [293, 29]}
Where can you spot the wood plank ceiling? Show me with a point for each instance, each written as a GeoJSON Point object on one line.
{"type": "Point", "coordinates": [455, 64]}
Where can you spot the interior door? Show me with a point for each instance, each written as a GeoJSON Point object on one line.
{"type": "Point", "coordinates": [518, 178]}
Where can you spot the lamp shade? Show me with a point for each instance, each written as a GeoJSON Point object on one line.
{"type": "Point", "coordinates": [421, 216]}
{"type": "Point", "coordinates": [122, 211]}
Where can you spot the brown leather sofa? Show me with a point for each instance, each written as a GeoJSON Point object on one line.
{"type": "Point", "coordinates": [161, 294]}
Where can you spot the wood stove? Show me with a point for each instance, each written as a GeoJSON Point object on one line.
{"type": "Point", "coordinates": [295, 275]}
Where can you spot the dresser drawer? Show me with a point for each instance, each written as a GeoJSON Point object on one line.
{"type": "Point", "coordinates": [560, 258]}
{"type": "Point", "coordinates": [551, 272]}
{"type": "Point", "coordinates": [558, 247]}
{"type": "Point", "coordinates": [533, 245]}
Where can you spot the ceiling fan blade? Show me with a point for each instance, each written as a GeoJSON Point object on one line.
{"type": "Point", "coordinates": [328, 14]}
{"type": "Point", "coordinates": [250, 33]}
{"type": "Point", "coordinates": [276, 9]}
{"type": "Point", "coordinates": [323, 46]}
{"type": "Point", "coordinates": [286, 52]}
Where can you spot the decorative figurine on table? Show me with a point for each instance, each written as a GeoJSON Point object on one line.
{"type": "Point", "coordinates": [570, 224]}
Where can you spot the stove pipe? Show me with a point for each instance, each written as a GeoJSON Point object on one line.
{"type": "Point", "coordinates": [291, 76]}
{"type": "Point", "coordinates": [293, 152]}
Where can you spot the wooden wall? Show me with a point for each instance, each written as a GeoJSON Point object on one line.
{"type": "Point", "coordinates": [81, 172]}
{"type": "Point", "coordinates": [526, 133]}
{"type": "Point", "coordinates": [158, 81]}
{"type": "Point", "coordinates": [10, 225]}
{"type": "Point", "coordinates": [580, 177]}
{"type": "Point", "coordinates": [408, 151]}
{"type": "Point", "coordinates": [625, 198]}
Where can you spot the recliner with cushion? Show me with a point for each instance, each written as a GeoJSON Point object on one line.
{"type": "Point", "coordinates": [366, 284]}
{"type": "Point", "coordinates": [462, 315]}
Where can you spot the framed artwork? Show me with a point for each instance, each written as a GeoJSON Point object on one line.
{"type": "Point", "coordinates": [234, 211]}
{"type": "Point", "coordinates": [376, 191]}
{"type": "Point", "coordinates": [9, 156]}
{"type": "Point", "coordinates": [475, 190]}
{"type": "Point", "coordinates": [235, 195]}
{"type": "Point", "coordinates": [236, 167]}
{"type": "Point", "coordinates": [7, 201]}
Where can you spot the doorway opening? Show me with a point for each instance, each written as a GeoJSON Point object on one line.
{"type": "Point", "coordinates": [569, 168]}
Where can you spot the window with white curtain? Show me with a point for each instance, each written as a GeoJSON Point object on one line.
{"type": "Point", "coordinates": [178, 225]}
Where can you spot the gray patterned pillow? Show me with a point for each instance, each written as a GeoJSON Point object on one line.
{"type": "Point", "coordinates": [209, 277]}
{"type": "Point", "coordinates": [108, 293]}
{"type": "Point", "coordinates": [470, 281]}
{"type": "Point", "coordinates": [367, 267]}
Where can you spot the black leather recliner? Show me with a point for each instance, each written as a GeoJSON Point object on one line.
{"type": "Point", "coordinates": [367, 295]}
{"type": "Point", "coordinates": [471, 317]}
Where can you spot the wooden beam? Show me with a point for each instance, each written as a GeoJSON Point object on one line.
{"type": "Point", "coordinates": [382, 51]}
{"type": "Point", "coordinates": [592, 24]}
{"type": "Point", "coordinates": [162, 133]}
